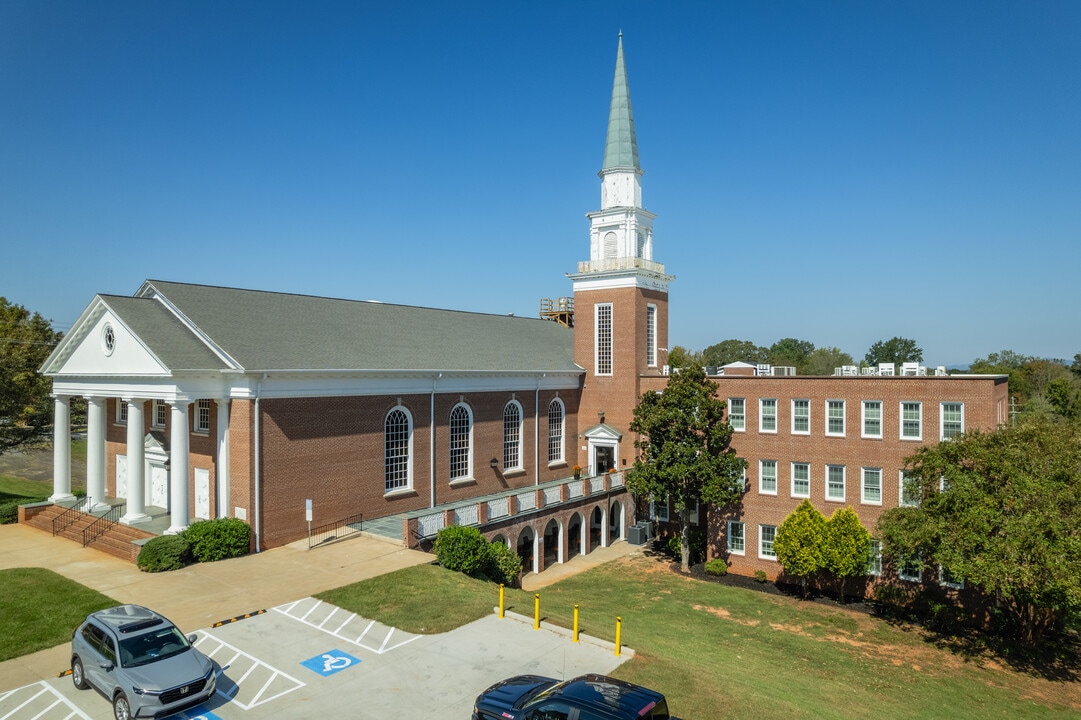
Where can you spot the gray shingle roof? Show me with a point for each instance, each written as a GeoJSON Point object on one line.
{"type": "Point", "coordinates": [165, 335]}
{"type": "Point", "coordinates": [265, 331]}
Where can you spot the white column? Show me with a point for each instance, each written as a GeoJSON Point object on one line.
{"type": "Point", "coordinates": [95, 453]}
{"type": "Point", "coordinates": [136, 511]}
{"type": "Point", "coordinates": [221, 472]}
{"type": "Point", "coordinates": [179, 482]}
{"type": "Point", "coordinates": [62, 450]}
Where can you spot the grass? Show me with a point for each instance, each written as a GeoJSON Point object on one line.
{"type": "Point", "coordinates": [718, 650]}
{"type": "Point", "coordinates": [41, 608]}
{"type": "Point", "coordinates": [16, 488]}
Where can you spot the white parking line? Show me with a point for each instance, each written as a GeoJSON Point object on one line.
{"type": "Point", "coordinates": [314, 613]}
{"type": "Point", "coordinates": [39, 702]}
{"type": "Point", "coordinates": [272, 683]}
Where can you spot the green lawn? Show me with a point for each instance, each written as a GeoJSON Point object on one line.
{"type": "Point", "coordinates": [15, 488]}
{"type": "Point", "coordinates": [41, 608]}
{"type": "Point", "coordinates": [718, 651]}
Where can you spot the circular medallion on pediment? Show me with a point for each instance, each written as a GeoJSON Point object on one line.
{"type": "Point", "coordinates": [108, 339]}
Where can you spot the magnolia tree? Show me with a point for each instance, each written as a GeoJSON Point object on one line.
{"type": "Point", "coordinates": [683, 449]}
{"type": "Point", "coordinates": [800, 542]}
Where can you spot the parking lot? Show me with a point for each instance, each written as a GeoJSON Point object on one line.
{"type": "Point", "coordinates": [310, 659]}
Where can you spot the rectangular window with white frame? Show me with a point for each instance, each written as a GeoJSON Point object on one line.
{"type": "Point", "coordinates": [766, 535]}
{"type": "Point", "coordinates": [603, 339]}
{"type": "Point", "coordinates": [767, 415]}
{"type": "Point", "coordinates": [801, 480]}
{"type": "Point", "coordinates": [952, 419]}
{"type": "Point", "coordinates": [767, 477]}
{"type": "Point", "coordinates": [872, 419]}
{"type": "Point", "coordinates": [835, 483]}
{"type": "Point", "coordinates": [736, 539]}
{"type": "Point", "coordinates": [835, 418]}
{"type": "Point", "coordinates": [909, 492]}
{"type": "Point", "coordinates": [911, 569]}
{"type": "Point", "coordinates": [202, 416]}
{"type": "Point", "coordinates": [660, 510]}
{"type": "Point", "coordinates": [911, 421]}
{"type": "Point", "coordinates": [651, 335]}
{"type": "Point", "coordinates": [801, 417]}
{"type": "Point", "coordinates": [121, 412]}
{"type": "Point", "coordinates": [950, 579]}
{"type": "Point", "coordinates": [737, 414]}
{"type": "Point", "coordinates": [161, 413]}
{"type": "Point", "coordinates": [871, 486]}
{"type": "Point", "coordinates": [874, 567]}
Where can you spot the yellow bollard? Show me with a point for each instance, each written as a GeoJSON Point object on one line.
{"type": "Point", "coordinates": [576, 622]}
{"type": "Point", "coordinates": [536, 611]}
{"type": "Point", "coordinates": [619, 627]}
{"type": "Point", "coordinates": [500, 599]}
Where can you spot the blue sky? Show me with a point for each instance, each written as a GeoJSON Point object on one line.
{"type": "Point", "coordinates": [840, 172]}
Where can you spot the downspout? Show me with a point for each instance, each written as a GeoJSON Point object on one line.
{"type": "Point", "coordinates": [258, 484]}
{"type": "Point", "coordinates": [536, 433]}
{"type": "Point", "coordinates": [431, 440]}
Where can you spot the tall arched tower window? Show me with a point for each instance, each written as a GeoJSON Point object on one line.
{"type": "Point", "coordinates": [461, 442]}
{"type": "Point", "coordinates": [398, 454]}
{"type": "Point", "coordinates": [512, 436]}
{"type": "Point", "coordinates": [555, 430]}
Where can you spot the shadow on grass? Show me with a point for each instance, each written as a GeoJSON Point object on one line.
{"type": "Point", "coordinates": [1056, 658]}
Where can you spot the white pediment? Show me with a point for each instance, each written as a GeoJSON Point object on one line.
{"type": "Point", "coordinates": [603, 431]}
{"type": "Point", "coordinates": [107, 347]}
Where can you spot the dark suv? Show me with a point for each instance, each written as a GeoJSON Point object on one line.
{"type": "Point", "coordinates": [589, 697]}
{"type": "Point", "coordinates": [140, 661]}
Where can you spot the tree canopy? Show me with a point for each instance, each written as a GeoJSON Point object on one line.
{"type": "Point", "coordinates": [25, 407]}
{"type": "Point", "coordinates": [729, 351]}
{"type": "Point", "coordinates": [1002, 510]}
{"type": "Point", "coordinates": [823, 360]}
{"type": "Point", "coordinates": [800, 543]}
{"type": "Point", "coordinates": [896, 350]}
{"type": "Point", "coordinates": [1038, 385]}
{"type": "Point", "coordinates": [847, 551]}
{"type": "Point", "coordinates": [791, 352]}
{"type": "Point", "coordinates": [683, 449]}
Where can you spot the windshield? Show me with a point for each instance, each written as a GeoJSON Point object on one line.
{"type": "Point", "coordinates": [152, 646]}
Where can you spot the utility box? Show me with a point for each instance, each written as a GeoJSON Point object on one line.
{"type": "Point", "coordinates": [636, 535]}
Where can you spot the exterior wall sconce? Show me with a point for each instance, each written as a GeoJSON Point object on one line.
{"type": "Point", "coordinates": [494, 463]}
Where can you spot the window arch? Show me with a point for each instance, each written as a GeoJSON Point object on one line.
{"type": "Point", "coordinates": [610, 245]}
{"type": "Point", "coordinates": [461, 442]}
{"type": "Point", "coordinates": [398, 450]}
{"type": "Point", "coordinates": [556, 416]}
{"type": "Point", "coordinates": [512, 436]}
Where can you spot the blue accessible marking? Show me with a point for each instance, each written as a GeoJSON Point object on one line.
{"type": "Point", "coordinates": [330, 662]}
{"type": "Point", "coordinates": [196, 713]}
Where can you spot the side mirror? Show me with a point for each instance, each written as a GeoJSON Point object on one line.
{"type": "Point", "coordinates": [106, 666]}
{"type": "Point", "coordinates": [193, 638]}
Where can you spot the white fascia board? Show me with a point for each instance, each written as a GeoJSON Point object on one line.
{"type": "Point", "coordinates": [620, 279]}
{"type": "Point", "coordinates": [308, 384]}
{"type": "Point", "coordinates": [86, 356]}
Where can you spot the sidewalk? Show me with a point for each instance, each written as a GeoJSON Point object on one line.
{"type": "Point", "coordinates": [201, 594]}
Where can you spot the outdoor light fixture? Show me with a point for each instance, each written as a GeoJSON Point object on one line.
{"type": "Point", "coordinates": [494, 463]}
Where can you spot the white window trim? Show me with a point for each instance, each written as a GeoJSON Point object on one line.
{"type": "Point", "coordinates": [901, 418]}
{"type": "Point", "coordinates": [794, 430]}
{"type": "Point", "coordinates": [651, 335]}
{"type": "Point", "coordinates": [762, 475]}
{"type": "Point", "coordinates": [659, 510]}
{"type": "Point", "coordinates": [863, 486]}
{"type": "Point", "coordinates": [408, 487]}
{"type": "Point", "coordinates": [762, 415]}
{"type": "Point", "coordinates": [743, 526]}
{"type": "Point", "coordinates": [197, 427]}
{"type": "Point", "coordinates": [154, 413]}
{"type": "Point", "coordinates": [121, 412]}
{"type": "Point", "coordinates": [743, 428]}
{"type": "Point", "coordinates": [918, 577]}
{"type": "Point", "coordinates": [942, 417]}
{"type": "Point", "coordinates": [875, 567]}
{"type": "Point", "coordinates": [844, 418]}
{"type": "Point", "coordinates": [792, 471]}
{"type": "Point", "coordinates": [863, 419]}
{"type": "Point", "coordinates": [901, 492]}
{"type": "Point", "coordinates": [562, 458]}
{"type": "Point", "coordinates": [761, 556]}
{"type": "Point", "coordinates": [520, 449]}
{"type": "Point", "coordinates": [597, 340]}
{"type": "Point", "coordinates": [468, 477]}
{"type": "Point", "coordinates": [952, 585]}
{"type": "Point", "coordinates": [844, 483]}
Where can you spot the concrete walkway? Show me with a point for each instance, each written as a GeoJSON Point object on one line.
{"type": "Point", "coordinates": [199, 595]}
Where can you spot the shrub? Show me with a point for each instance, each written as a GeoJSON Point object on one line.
{"type": "Point", "coordinates": [167, 552]}
{"type": "Point", "coordinates": [760, 576]}
{"type": "Point", "coordinates": [504, 565]}
{"type": "Point", "coordinates": [716, 566]}
{"type": "Point", "coordinates": [9, 511]}
{"type": "Point", "coordinates": [463, 549]}
{"type": "Point", "coordinates": [218, 539]}
{"type": "Point", "coordinates": [696, 539]}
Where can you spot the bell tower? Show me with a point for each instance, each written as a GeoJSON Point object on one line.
{"type": "Point", "coordinates": [620, 296]}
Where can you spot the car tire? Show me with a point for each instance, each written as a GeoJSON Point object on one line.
{"type": "Point", "coordinates": [121, 708]}
{"type": "Point", "coordinates": [78, 675]}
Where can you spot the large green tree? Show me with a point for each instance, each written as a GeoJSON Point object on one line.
{"type": "Point", "coordinates": [847, 550]}
{"type": "Point", "coordinates": [791, 352]}
{"type": "Point", "coordinates": [729, 351]}
{"type": "Point", "coordinates": [1002, 510]}
{"type": "Point", "coordinates": [823, 360]}
{"type": "Point", "coordinates": [26, 339]}
{"type": "Point", "coordinates": [896, 350]}
{"type": "Point", "coordinates": [800, 541]}
{"type": "Point", "coordinates": [683, 449]}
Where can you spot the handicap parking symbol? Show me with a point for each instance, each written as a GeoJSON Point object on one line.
{"type": "Point", "coordinates": [330, 662]}
{"type": "Point", "coordinates": [199, 714]}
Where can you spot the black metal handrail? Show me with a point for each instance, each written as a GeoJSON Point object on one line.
{"type": "Point", "coordinates": [69, 516]}
{"type": "Point", "coordinates": [101, 526]}
{"type": "Point", "coordinates": [336, 530]}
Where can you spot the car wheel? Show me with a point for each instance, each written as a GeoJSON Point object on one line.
{"type": "Point", "coordinates": [78, 677]}
{"type": "Point", "coordinates": [121, 709]}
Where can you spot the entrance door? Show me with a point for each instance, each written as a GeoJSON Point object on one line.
{"type": "Point", "coordinates": [202, 493]}
{"type": "Point", "coordinates": [159, 486]}
{"type": "Point", "coordinates": [121, 476]}
{"type": "Point", "coordinates": [604, 458]}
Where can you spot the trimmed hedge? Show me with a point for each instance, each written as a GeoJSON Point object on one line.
{"type": "Point", "coordinates": [164, 553]}
{"type": "Point", "coordinates": [218, 539]}
{"type": "Point", "coordinates": [716, 566]}
{"type": "Point", "coordinates": [462, 548]}
{"type": "Point", "coordinates": [9, 511]}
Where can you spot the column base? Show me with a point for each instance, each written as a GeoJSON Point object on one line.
{"type": "Point", "coordinates": [61, 498]}
{"type": "Point", "coordinates": [175, 529]}
{"type": "Point", "coordinates": [135, 519]}
{"type": "Point", "coordinates": [98, 507]}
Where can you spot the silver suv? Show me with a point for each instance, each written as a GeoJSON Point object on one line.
{"type": "Point", "coordinates": [140, 661]}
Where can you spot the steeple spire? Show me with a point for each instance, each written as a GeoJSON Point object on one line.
{"type": "Point", "coordinates": [620, 146]}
